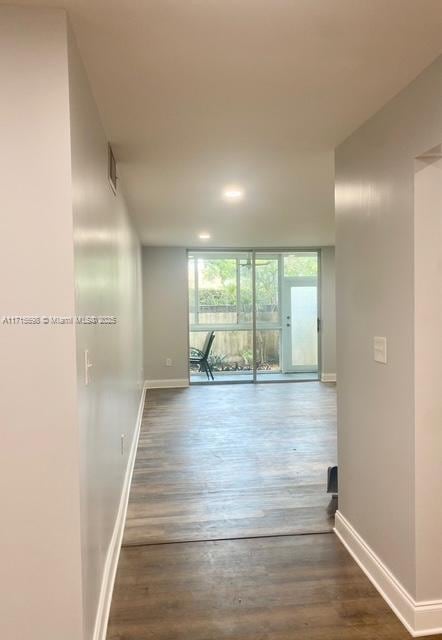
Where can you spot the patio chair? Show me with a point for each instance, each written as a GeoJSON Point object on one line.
{"type": "Point", "coordinates": [201, 357]}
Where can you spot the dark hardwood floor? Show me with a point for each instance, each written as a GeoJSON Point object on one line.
{"type": "Point", "coordinates": [293, 588]}
{"type": "Point", "coordinates": [246, 463]}
{"type": "Point", "coordinates": [233, 461]}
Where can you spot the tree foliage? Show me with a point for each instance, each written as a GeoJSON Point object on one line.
{"type": "Point", "coordinates": [218, 280]}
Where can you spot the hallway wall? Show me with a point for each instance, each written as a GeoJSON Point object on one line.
{"type": "Point", "coordinates": [107, 260]}
{"type": "Point", "coordinates": [428, 380]}
{"type": "Point", "coordinates": [40, 490]}
{"type": "Point", "coordinates": [382, 479]}
{"type": "Point", "coordinates": [67, 248]}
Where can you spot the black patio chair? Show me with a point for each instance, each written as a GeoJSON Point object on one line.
{"type": "Point", "coordinates": [201, 357]}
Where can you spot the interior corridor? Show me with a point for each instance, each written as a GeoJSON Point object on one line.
{"type": "Point", "coordinates": [228, 528]}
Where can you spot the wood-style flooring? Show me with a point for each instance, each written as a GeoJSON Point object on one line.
{"type": "Point", "coordinates": [291, 588]}
{"type": "Point", "coordinates": [233, 461]}
{"type": "Point", "coordinates": [239, 462]}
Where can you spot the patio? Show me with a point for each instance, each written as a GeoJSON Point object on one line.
{"type": "Point", "coordinates": [247, 376]}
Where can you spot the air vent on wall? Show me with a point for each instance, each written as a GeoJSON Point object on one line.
{"type": "Point", "coordinates": [112, 170]}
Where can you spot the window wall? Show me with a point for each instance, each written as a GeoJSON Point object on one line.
{"type": "Point", "coordinates": [262, 308]}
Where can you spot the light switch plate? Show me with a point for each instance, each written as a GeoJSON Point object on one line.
{"type": "Point", "coordinates": [87, 366]}
{"type": "Point", "coordinates": [380, 349]}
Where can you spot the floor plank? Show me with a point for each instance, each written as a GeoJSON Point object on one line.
{"type": "Point", "coordinates": [233, 461]}
{"type": "Point", "coordinates": [289, 588]}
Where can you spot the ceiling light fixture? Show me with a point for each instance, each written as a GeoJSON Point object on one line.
{"type": "Point", "coordinates": [204, 236]}
{"type": "Point", "coordinates": [233, 193]}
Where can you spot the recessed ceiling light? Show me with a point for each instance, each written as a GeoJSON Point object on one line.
{"type": "Point", "coordinates": [204, 236]}
{"type": "Point", "coordinates": [233, 193]}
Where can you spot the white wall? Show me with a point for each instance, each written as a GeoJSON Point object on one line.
{"type": "Point", "coordinates": [67, 248]}
{"type": "Point", "coordinates": [165, 304]}
{"type": "Point", "coordinates": [107, 282]}
{"type": "Point", "coordinates": [382, 473]}
{"type": "Point", "coordinates": [40, 489]}
{"type": "Point", "coordinates": [328, 313]}
{"type": "Point", "coordinates": [428, 378]}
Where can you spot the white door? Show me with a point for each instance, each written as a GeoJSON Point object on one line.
{"type": "Point", "coordinates": [300, 324]}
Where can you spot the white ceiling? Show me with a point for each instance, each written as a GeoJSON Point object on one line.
{"type": "Point", "coordinates": [196, 94]}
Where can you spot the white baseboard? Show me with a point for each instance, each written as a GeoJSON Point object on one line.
{"type": "Point", "coordinates": [419, 618]}
{"type": "Point", "coordinates": [113, 553]}
{"type": "Point", "coordinates": [328, 377]}
{"type": "Point", "coordinates": [167, 384]}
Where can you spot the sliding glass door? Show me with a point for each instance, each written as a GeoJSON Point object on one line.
{"type": "Point", "coordinates": [268, 315]}
{"type": "Point", "coordinates": [253, 316]}
{"type": "Point", "coordinates": [221, 302]}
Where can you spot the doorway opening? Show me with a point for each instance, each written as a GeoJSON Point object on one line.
{"type": "Point", "coordinates": [254, 316]}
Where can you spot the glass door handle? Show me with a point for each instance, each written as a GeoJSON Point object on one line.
{"type": "Point", "coordinates": [288, 324]}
